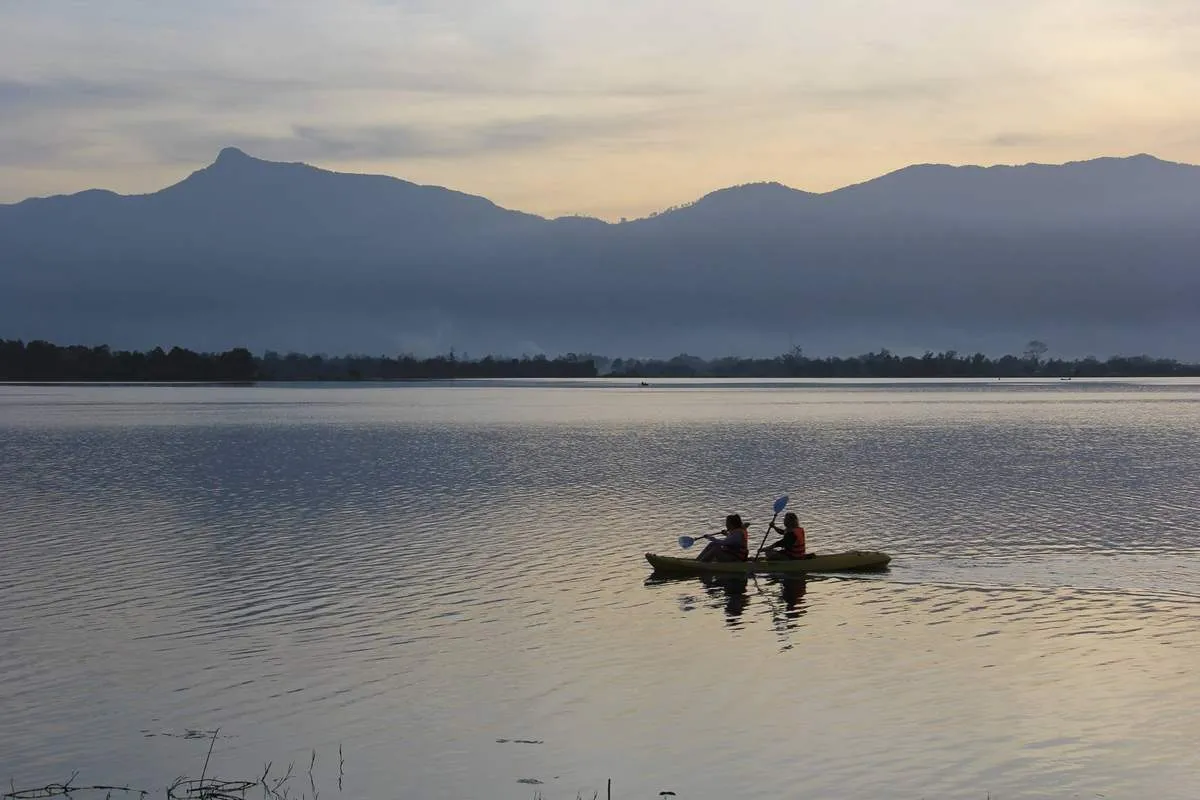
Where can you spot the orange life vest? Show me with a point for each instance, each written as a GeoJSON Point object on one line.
{"type": "Point", "coordinates": [797, 548]}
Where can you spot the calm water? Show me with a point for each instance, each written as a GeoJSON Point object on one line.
{"type": "Point", "coordinates": [416, 573]}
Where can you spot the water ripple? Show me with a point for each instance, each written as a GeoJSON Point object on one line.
{"type": "Point", "coordinates": [371, 570]}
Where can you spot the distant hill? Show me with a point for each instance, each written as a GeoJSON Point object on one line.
{"type": "Point", "coordinates": [1093, 257]}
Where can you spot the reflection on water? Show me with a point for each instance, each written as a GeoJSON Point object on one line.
{"type": "Point", "coordinates": [791, 591]}
{"type": "Point", "coordinates": [725, 592]}
{"type": "Point", "coordinates": [415, 574]}
{"type": "Point", "coordinates": [783, 595]}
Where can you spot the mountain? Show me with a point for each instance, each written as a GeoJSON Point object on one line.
{"type": "Point", "coordinates": [1093, 257]}
{"type": "Point", "coordinates": [1083, 191]}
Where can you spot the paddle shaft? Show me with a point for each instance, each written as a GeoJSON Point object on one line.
{"type": "Point", "coordinates": [687, 541]}
{"type": "Point", "coordinates": [710, 536]}
{"type": "Point", "coordinates": [766, 533]}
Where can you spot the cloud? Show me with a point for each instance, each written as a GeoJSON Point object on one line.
{"type": "Point", "coordinates": [320, 144]}
{"type": "Point", "coordinates": [27, 149]}
{"type": "Point", "coordinates": [1017, 139]}
{"type": "Point", "coordinates": [834, 96]}
{"type": "Point", "coordinates": [24, 96]}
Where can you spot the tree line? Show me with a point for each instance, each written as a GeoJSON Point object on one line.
{"type": "Point", "coordinates": [42, 361]}
{"type": "Point", "coordinates": [885, 364]}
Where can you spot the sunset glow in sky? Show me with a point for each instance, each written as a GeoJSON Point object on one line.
{"type": "Point", "coordinates": [611, 109]}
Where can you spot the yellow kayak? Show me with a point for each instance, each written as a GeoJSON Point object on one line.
{"type": "Point", "coordinates": [849, 561]}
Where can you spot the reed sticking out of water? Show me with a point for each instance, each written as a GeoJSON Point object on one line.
{"type": "Point", "coordinates": [205, 787]}
{"type": "Point", "coordinates": [64, 789]}
{"type": "Point", "coordinates": [595, 795]}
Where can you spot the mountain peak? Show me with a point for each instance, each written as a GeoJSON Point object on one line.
{"type": "Point", "coordinates": [760, 190]}
{"type": "Point", "coordinates": [232, 155]}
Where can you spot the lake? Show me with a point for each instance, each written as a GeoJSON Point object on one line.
{"type": "Point", "coordinates": [439, 590]}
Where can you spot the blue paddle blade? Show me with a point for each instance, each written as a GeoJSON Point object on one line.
{"type": "Point", "coordinates": [781, 504]}
{"type": "Point", "coordinates": [686, 541]}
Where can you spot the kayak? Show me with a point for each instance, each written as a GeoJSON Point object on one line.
{"type": "Point", "coordinates": [849, 561]}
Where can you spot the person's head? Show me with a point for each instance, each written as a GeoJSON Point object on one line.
{"type": "Point", "coordinates": [790, 521]}
{"type": "Point", "coordinates": [733, 522]}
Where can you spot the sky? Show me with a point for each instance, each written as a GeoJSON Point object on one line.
{"type": "Point", "coordinates": [613, 109]}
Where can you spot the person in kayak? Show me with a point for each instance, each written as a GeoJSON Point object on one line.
{"type": "Point", "coordinates": [792, 543]}
{"type": "Point", "coordinates": [734, 546]}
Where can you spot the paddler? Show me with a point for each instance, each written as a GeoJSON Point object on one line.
{"type": "Point", "coordinates": [792, 543]}
{"type": "Point", "coordinates": [734, 544]}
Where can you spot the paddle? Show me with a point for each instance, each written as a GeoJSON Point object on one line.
{"type": "Point", "coordinates": [780, 505]}
{"type": "Point", "coordinates": [687, 541]}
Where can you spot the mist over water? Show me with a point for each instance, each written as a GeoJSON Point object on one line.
{"type": "Point", "coordinates": [414, 573]}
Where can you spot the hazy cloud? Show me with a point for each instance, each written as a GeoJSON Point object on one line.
{"type": "Point", "coordinates": [324, 144]}
{"type": "Point", "coordinates": [21, 97]}
{"type": "Point", "coordinates": [29, 151]}
{"type": "Point", "coordinates": [1017, 139]}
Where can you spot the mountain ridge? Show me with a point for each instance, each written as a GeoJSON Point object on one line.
{"type": "Point", "coordinates": [1094, 257]}
{"type": "Point", "coordinates": [234, 158]}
